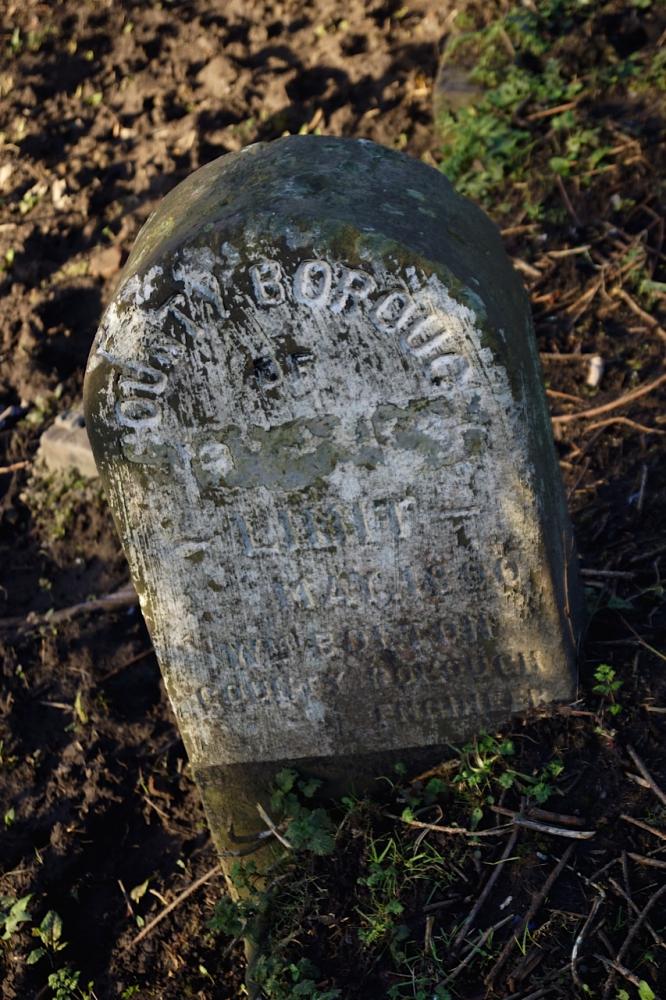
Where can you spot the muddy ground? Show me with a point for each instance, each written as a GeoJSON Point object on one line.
{"type": "Point", "coordinates": [105, 106]}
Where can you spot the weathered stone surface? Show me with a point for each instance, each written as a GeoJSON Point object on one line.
{"type": "Point", "coordinates": [65, 445]}
{"type": "Point", "coordinates": [316, 405]}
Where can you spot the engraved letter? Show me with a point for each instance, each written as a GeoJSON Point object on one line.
{"type": "Point", "coordinates": [312, 283]}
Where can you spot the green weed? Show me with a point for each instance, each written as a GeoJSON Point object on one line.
{"type": "Point", "coordinates": [13, 913]}
{"type": "Point", "coordinates": [486, 769]}
{"type": "Point", "coordinates": [608, 686]}
{"type": "Point", "coordinates": [49, 933]}
{"type": "Point", "coordinates": [53, 500]}
{"type": "Point", "coordinates": [308, 829]}
{"type": "Point", "coordinates": [65, 985]}
{"type": "Point", "coordinates": [531, 121]}
{"type": "Point", "coordinates": [296, 980]}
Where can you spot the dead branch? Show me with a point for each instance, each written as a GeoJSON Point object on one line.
{"type": "Point", "coordinates": [497, 831]}
{"type": "Point", "coordinates": [581, 937]}
{"type": "Point", "coordinates": [531, 913]}
{"type": "Point", "coordinates": [474, 950]}
{"type": "Point", "coordinates": [652, 784]}
{"type": "Point", "coordinates": [272, 827]}
{"type": "Point", "coordinates": [547, 356]}
{"type": "Point", "coordinates": [567, 201]}
{"type": "Point", "coordinates": [633, 931]}
{"type": "Point", "coordinates": [632, 906]}
{"type": "Point", "coordinates": [624, 972]}
{"type": "Point", "coordinates": [642, 825]}
{"type": "Point", "coordinates": [554, 394]}
{"type": "Point", "coordinates": [536, 813]}
{"type": "Point", "coordinates": [641, 641]}
{"type": "Point", "coordinates": [533, 824]}
{"type": "Point", "coordinates": [145, 931]}
{"type": "Point", "coordinates": [641, 859]}
{"type": "Point", "coordinates": [615, 404]}
{"type": "Point", "coordinates": [487, 889]}
{"type": "Point", "coordinates": [549, 112]}
{"type": "Point", "coordinates": [123, 598]}
{"type": "Point", "coordinates": [649, 320]}
{"type": "Point", "coordinates": [14, 467]}
{"type": "Point", "coordinates": [528, 269]}
{"type": "Point", "coordinates": [627, 423]}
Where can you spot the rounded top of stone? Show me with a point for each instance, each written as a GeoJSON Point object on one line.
{"type": "Point", "coordinates": [321, 185]}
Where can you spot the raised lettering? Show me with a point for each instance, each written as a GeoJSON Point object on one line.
{"type": "Point", "coordinates": [267, 283]}
{"type": "Point", "coordinates": [312, 283]}
{"type": "Point", "coordinates": [354, 287]}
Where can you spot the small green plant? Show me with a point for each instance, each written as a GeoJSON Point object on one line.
{"type": "Point", "coordinates": [608, 686]}
{"type": "Point", "coordinates": [542, 788]}
{"type": "Point", "coordinates": [485, 766]}
{"type": "Point", "coordinates": [49, 933]}
{"type": "Point", "coordinates": [529, 125]}
{"type": "Point", "coordinates": [393, 869]}
{"type": "Point", "coordinates": [53, 500]}
{"type": "Point", "coordinates": [65, 985]}
{"type": "Point", "coordinates": [295, 980]}
{"type": "Point", "coordinates": [483, 759]}
{"type": "Point", "coordinates": [230, 917]}
{"type": "Point", "coordinates": [13, 913]}
{"type": "Point", "coordinates": [6, 759]}
{"type": "Point", "coordinates": [307, 829]}
{"type": "Point", "coordinates": [645, 992]}
{"type": "Point", "coordinates": [7, 262]}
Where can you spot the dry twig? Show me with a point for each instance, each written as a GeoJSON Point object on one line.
{"type": "Point", "coordinates": [649, 320]}
{"type": "Point", "coordinates": [272, 827]}
{"type": "Point", "coordinates": [123, 598]}
{"type": "Point", "coordinates": [581, 937]}
{"type": "Point", "coordinates": [474, 950]}
{"type": "Point", "coordinates": [641, 824]}
{"type": "Point", "coordinates": [548, 356]}
{"type": "Point", "coordinates": [533, 824]}
{"type": "Point", "coordinates": [624, 972]}
{"type": "Point", "coordinates": [652, 784]}
{"type": "Point", "coordinates": [641, 859]}
{"type": "Point", "coordinates": [632, 906]}
{"type": "Point", "coordinates": [531, 913]}
{"type": "Point", "coordinates": [633, 424]}
{"type": "Point", "coordinates": [145, 931]}
{"type": "Point", "coordinates": [471, 916]}
{"type": "Point", "coordinates": [615, 404]}
{"type": "Point", "coordinates": [14, 467]}
{"type": "Point", "coordinates": [569, 397]}
{"type": "Point", "coordinates": [496, 831]}
{"type": "Point", "coordinates": [633, 931]}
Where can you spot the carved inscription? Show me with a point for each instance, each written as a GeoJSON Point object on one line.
{"type": "Point", "coordinates": [321, 285]}
{"type": "Point", "coordinates": [336, 522]}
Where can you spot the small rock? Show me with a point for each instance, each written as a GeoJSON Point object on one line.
{"type": "Point", "coordinates": [59, 196]}
{"type": "Point", "coordinates": [6, 171]}
{"type": "Point", "coordinates": [104, 263]}
{"type": "Point", "coordinates": [65, 446]}
{"type": "Point", "coordinates": [595, 371]}
{"type": "Point", "coordinates": [216, 77]}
